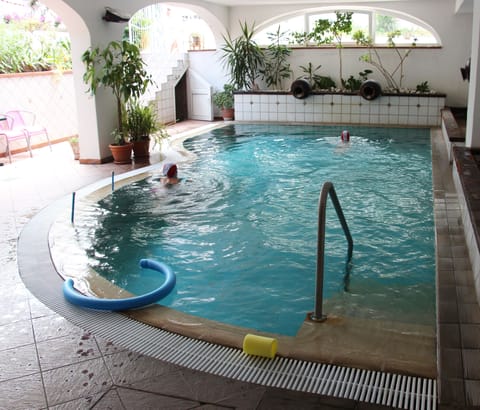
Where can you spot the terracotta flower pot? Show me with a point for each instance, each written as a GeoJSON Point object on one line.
{"type": "Point", "coordinates": [141, 149]}
{"type": "Point", "coordinates": [227, 114]}
{"type": "Point", "coordinates": [122, 154]}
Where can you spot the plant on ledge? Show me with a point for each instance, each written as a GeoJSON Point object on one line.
{"type": "Point", "coordinates": [318, 82]}
{"type": "Point", "coordinates": [141, 123]}
{"type": "Point", "coordinates": [276, 68]}
{"type": "Point", "coordinates": [353, 84]}
{"type": "Point", "coordinates": [373, 58]}
{"type": "Point", "coordinates": [326, 32]}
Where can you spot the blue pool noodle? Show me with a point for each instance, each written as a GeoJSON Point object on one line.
{"type": "Point", "coordinates": [92, 302]}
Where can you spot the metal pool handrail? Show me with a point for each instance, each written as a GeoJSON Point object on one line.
{"type": "Point", "coordinates": [322, 210]}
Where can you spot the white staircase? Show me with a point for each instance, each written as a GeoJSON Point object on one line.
{"type": "Point", "coordinates": [166, 71]}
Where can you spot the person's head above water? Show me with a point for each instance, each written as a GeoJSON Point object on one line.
{"type": "Point", "coordinates": [170, 170]}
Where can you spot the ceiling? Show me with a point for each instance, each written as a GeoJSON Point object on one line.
{"type": "Point", "coordinates": [458, 6]}
{"type": "Point", "coordinates": [302, 2]}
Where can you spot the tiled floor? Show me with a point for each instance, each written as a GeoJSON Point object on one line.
{"type": "Point", "coordinates": [45, 362]}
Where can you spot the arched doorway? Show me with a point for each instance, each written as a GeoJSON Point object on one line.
{"type": "Point", "coordinates": [166, 33]}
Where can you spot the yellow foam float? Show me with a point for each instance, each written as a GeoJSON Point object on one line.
{"type": "Point", "coordinates": [260, 346]}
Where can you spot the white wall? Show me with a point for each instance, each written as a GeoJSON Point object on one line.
{"type": "Point", "coordinates": [86, 27]}
{"type": "Point", "coordinates": [421, 65]}
{"type": "Point", "coordinates": [441, 67]}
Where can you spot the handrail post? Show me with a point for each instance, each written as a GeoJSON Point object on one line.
{"type": "Point", "coordinates": [327, 189]}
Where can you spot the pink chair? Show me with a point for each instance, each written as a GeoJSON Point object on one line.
{"type": "Point", "coordinates": [26, 120]}
{"type": "Point", "coordinates": [12, 133]}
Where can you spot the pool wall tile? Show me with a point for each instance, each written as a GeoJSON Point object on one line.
{"type": "Point", "coordinates": [345, 108]}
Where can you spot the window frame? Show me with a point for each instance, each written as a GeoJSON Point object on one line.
{"type": "Point", "coordinates": [371, 13]}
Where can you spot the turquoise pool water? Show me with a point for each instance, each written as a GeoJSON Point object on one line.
{"type": "Point", "coordinates": [240, 229]}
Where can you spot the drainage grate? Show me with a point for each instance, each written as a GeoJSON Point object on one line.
{"type": "Point", "coordinates": [387, 389]}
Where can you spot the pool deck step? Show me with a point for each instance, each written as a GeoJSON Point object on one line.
{"type": "Point", "coordinates": [453, 134]}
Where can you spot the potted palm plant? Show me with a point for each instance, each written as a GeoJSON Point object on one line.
{"type": "Point", "coordinates": [225, 102]}
{"type": "Point", "coordinates": [141, 123]}
{"type": "Point", "coordinates": [243, 58]}
{"type": "Point", "coordinates": [120, 67]}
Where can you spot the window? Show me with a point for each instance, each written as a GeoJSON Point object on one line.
{"type": "Point", "coordinates": [407, 32]}
{"type": "Point", "coordinates": [291, 25]}
{"type": "Point", "coordinates": [169, 29]}
{"type": "Point", "coordinates": [378, 26]}
{"type": "Point", "coordinates": [360, 21]}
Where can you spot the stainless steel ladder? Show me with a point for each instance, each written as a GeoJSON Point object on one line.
{"type": "Point", "coordinates": [327, 189]}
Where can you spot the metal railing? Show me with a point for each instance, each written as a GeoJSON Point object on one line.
{"type": "Point", "coordinates": [327, 189]}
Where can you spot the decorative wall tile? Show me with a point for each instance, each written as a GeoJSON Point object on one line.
{"type": "Point", "coordinates": [338, 108]}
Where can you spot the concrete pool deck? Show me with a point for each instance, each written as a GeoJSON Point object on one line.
{"type": "Point", "coordinates": [53, 358]}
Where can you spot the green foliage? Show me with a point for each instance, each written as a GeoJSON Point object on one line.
{"type": "Point", "coordinates": [329, 32]}
{"type": "Point", "coordinates": [325, 31]}
{"type": "Point", "coordinates": [318, 82]}
{"type": "Point", "coordinates": [354, 84]}
{"type": "Point", "coordinates": [373, 57]}
{"type": "Point", "coordinates": [25, 51]}
{"type": "Point", "coordinates": [224, 99]}
{"type": "Point", "coordinates": [423, 87]}
{"type": "Point", "coordinates": [385, 24]}
{"type": "Point", "coordinates": [276, 68]}
{"type": "Point", "coordinates": [243, 58]}
{"type": "Point", "coordinates": [301, 38]}
{"type": "Point", "coordinates": [120, 67]}
{"type": "Point", "coordinates": [141, 121]}
{"type": "Point", "coordinates": [325, 83]}
{"type": "Point", "coordinates": [321, 32]}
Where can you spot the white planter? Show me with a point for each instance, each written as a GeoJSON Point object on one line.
{"type": "Point", "coordinates": [335, 108]}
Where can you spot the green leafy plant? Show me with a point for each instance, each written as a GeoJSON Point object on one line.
{"type": "Point", "coordinates": [141, 121]}
{"type": "Point", "coordinates": [29, 45]}
{"type": "Point", "coordinates": [329, 32]}
{"type": "Point", "coordinates": [224, 99]}
{"type": "Point", "coordinates": [276, 67]}
{"type": "Point", "coordinates": [243, 58]}
{"type": "Point", "coordinates": [373, 57]}
{"type": "Point", "coordinates": [118, 137]}
{"type": "Point", "coordinates": [120, 67]}
{"type": "Point", "coordinates": [302, 38]}
{"type": "Point", "coordinates": [423, 87]}
{"type": "Point", "coordinates": [20, 53]}
{"type": "Point", "coordinates": [318, 82]}
{"type": "Point", "coordinates": [354, 83]}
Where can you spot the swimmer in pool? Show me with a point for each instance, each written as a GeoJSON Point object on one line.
{"type": "Point", "coordinates": [170, 172]}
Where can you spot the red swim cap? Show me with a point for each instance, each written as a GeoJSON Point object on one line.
{"type": "Point", "coordinates": [170, 170]}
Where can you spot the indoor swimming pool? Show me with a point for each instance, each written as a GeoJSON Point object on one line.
{"type": "Point", "coordinates": [240, 229]}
